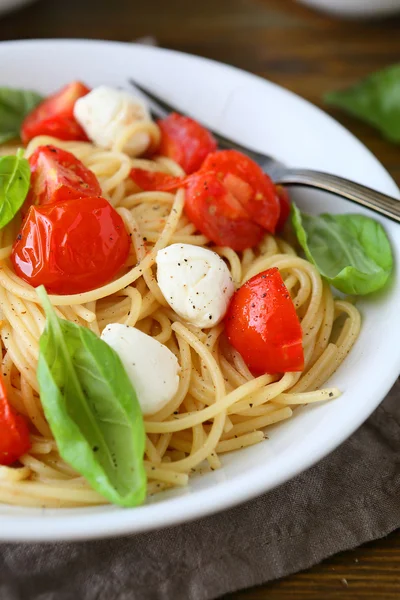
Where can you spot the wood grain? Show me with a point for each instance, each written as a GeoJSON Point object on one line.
{"type": "Point", "coordinates": [307, 53]}
{"type": "Point", "coordinates": [371, 572]}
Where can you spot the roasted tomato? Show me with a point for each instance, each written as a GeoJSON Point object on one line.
{"type": "Point", "coordinates": [185, 141]}
{"type": "Point", "coordinates": [57, 176]}
{"type": "Point", "coordinates": [155, 180]}
{"type": "Point", "coordinates": [262, 324]}
{"type": "Point", "coordinates": [217, 213]}
{"type": "Point", "coordinates": [284, 201]}
{"type": "Point", "coordinates": [14, 432]}
{"type": "Point", "coordinates": [71, 247]}
{"type": "Point", "coordinates": [55, 115]}
{"type": "Point", "coordinates": [250, 185]}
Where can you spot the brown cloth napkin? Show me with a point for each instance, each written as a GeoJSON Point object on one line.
{"type": "Point", "coordinates": [351, 497]}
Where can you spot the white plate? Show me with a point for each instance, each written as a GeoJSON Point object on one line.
{"type": "Point", "coordinates": [271, 119]}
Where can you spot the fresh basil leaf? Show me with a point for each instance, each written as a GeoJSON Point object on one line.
{"type": "Point", "coordinates": [375, 100]}
{"type": "Point", "coordinates": [92, 408]}
{"type": "Point", "coordinates": [15, 175]}
{"type": "Point", "coordinates": [351, 251]}
{"type": "Point", "coordinates": [15, 105]}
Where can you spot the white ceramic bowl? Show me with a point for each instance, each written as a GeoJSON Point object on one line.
{"type": "Point", "coordinates": [364, 9]}
{"type": "Point", "coordinates": [7, 6]}
{"type": "Point", "coordinates": [274, 120]}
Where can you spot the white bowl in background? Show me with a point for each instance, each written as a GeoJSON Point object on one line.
{"type": "Point", "coordinates": [271, 119]}
{"type": "Point", "coordinates": [364, 9]}
{"type": "Point", "coordinates": [7, 6]}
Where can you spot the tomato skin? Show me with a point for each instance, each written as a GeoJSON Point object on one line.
{"type": "Point", "coordinates": [262, 325]}
{"type": "Point", "coordinates": [14, 432]}
{"type": "Point", "coordinates": [155, 180]}
{"type": "Point", "coordinates": [185, 141]}
{"type": "Point", "coordinates": [55, 115]}
{"type": "Point", "coordinates": [217, 214]}
{"type": "Point", "coordinates": [57, 176]}
{"type": "Point", "coordinates": [71, 247]}
{"type": "Point", "coordinates": [284, 201]}
{"type": "Point", "coordinates": [251, 186]}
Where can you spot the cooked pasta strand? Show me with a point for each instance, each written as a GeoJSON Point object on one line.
{"type": "Point", "coordinates": [219, 406]}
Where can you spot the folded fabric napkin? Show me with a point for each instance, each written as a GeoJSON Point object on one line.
{"type": "Point", "coordinates": [351, 497]}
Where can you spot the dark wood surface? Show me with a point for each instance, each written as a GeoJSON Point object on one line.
{"type": "Point", "coordinates": [307, 53]}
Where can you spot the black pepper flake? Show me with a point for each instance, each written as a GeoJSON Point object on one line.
{"type": "Point", "coordinates": [330, 394]}
{"type": "Point", "coordinates": [95, 448]}
{"type": "Point", "coordinates": [19, 237]}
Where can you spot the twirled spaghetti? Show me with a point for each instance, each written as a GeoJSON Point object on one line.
{"type": "Point", "coordinates": [219, 406]}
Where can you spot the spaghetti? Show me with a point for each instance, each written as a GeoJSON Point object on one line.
{"type": "Point", "coordinates": [219, 406]}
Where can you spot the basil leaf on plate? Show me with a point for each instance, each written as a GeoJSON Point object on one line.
{"type": "Point", "coordinates": [15, 105]}
{"type": "Point", "coordinates": [351, 251]}
{"type": "Point", "coordinates": [15, 176]}
{"type": "Point", "coordinates": [375, 100]}
{"type": "Point", "coordinates": [92, 408]}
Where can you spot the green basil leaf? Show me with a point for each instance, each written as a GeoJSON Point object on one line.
{"type": "Point", "coordinates": [351, 251]}
{"type": "Point", "coordinates": [15, 175]}
{"type": "Point", "coordinates": [92, 408]}
{"type": "Point", "coordinates": [15, 105]}
{"type": "Point", "coordinates": [375, 100]}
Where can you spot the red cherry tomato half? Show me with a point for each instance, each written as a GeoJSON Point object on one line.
{"type": "Point", "coordinates": [57, 176]}
{"type": "Point", "coordinates": [14, 432]}
{"type": "Point", "coordinates": [262, 324]}
{"type": "Point", "coordinates": [71, 247]}
{"type": "Point", "coordinates": [185, 141]}
{"type": "Point", "coordinates": [155, 180]}
{"type": "Point", "coordinates": [55, 115]}
{"type": "Point", "coordinates": [250, 185]}
{"type": "Point", "coordinates": [216, 212]}
{"type": "Point", "coordinates": [284, 201]}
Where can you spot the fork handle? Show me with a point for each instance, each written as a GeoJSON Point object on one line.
{"type": "Point", "coordinates": [360, 194]}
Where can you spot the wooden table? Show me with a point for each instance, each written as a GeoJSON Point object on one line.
{"type": "Point", "coordinates": [304, 52]}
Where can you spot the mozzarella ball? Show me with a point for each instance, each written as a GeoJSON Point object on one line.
{"type": "Point", "coordinates": [195, 282]}
{"type": "Point", "coordinates": [106, 112]}
{"type": "Point", "coordinates": [152, 368]}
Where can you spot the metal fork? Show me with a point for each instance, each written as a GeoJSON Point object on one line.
{"type": "Point", "coordinates": [282, 175]}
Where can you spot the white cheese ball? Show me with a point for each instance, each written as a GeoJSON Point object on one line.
{"type": "Point", "coordinates": [152, 368]}
{"type": "Point", "coordinates": [104, 114]}
{"type": "Point", "coordinates": [195, 282]}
